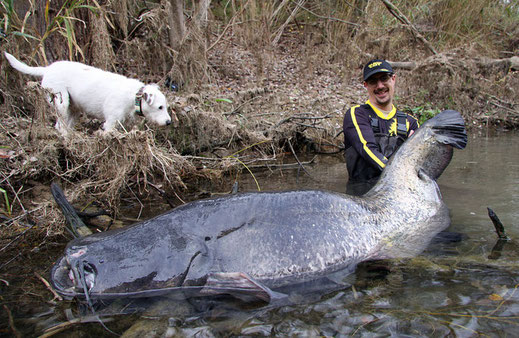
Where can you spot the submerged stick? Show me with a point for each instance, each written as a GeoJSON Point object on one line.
{"type": "Point", "coordinates": [15, 332]}
{"type": "Point", "coordinates": [47, 284]}
{"type": "Point", "coordinates": [500, 229]}
{"type": "Point", "coordinates": [299, 162]}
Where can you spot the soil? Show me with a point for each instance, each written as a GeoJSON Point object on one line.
{"type": "Point", "coordinates": [256, 108]}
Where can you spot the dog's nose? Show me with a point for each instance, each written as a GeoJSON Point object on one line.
{"type": "Point", "coordinates": [168, 122]}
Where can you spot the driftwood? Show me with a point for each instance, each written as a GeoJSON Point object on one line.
{"type": "Point", "coordinates": [500, 229]}
{"type": "Point", "coordinates": [511, 63]}
{"type": "Point", "coordinates": [410, 65]}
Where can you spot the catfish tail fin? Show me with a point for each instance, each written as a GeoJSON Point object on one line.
{"type": "Point", "coordinates": [449, 128]}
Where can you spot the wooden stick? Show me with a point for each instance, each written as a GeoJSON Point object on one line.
{"type": "Point", "coordinates": [290, 18]}
{"type": "Point", "coordinates": [410, 65]}
{"type": "Point", "coordinates": [500, 229]}
{"type": "Point", "coordinates": [44, 281]}
{"type": "Point", "coordinates": [300, 164]}
{"type": "Point", "coordinates": [402, 18]}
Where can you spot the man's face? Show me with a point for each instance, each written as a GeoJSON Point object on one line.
{"type": "Point", "coordinates": [381, 89]}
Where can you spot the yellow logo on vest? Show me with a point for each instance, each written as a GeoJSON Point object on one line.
{"type": "Point", "coordinates": [375, 64]}
{"type": "Point", "coordinates": [394, 125]}
{"type": "Point", "coordinates": [392, 128]}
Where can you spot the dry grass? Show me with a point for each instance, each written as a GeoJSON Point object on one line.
{"type": "Point", "coordinates": [484, 92]}
{"type": "Point", "coordinates": [106, 166]}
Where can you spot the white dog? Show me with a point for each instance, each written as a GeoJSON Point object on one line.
{"type": "Point", "coordinates": [100, 94]}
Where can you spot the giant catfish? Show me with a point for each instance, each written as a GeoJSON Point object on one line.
{"type": "Point", "coordinates": [254, 244]}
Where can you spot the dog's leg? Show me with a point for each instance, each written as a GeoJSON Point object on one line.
{"type": "Point", "coordinates": [109, 125]}
{"type": "Point", "coordinates": [116, 114]}
{"type": "Point", "coordinates": [65, 120]}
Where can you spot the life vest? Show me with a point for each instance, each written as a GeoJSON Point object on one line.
{"type": "Point", "coordinates": [388, 144]}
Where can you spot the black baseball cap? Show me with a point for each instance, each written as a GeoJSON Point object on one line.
{"type": "Point", "coordinates": [376, 66]}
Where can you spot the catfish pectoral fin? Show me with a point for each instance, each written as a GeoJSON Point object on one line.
{"type": "Point", "coordinates": [239, 285]}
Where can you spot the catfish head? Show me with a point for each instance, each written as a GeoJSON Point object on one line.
{"type": "Point", "coordinates": [73, 276]}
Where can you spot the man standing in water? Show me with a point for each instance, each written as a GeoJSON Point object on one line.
{"type": "Point", "coordinates": [375, 130]}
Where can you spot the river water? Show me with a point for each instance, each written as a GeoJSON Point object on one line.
{"type": "Point", "coordinates": [464, 285]}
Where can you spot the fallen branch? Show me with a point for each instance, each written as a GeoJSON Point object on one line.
{"type": "Point", "coordinates": [47, 285]}
{"type": "Point", "coordinates": [511, 63]}
{"type": "Point", "coordinates": [509, 110]}
{"type": "Point", "coordinates": [402, 18]}
{"type": "Point", "coordinates": [290, 18]}
{"type": "Point", "coordinates": [281, 165]}
{"type": "Point", "coordinates": [298, 117]}
{"type": "Point", "coordinates": [17, 236]}
{"type": "Point", "coordinates": [409, 65]}
{"type": "Point", "coordinates": [51, 331]}
{"type": "Point", "coordinates": [310, 126]}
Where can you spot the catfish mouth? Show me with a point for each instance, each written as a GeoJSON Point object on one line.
{"type": "Point", "coordinates": [71, 279]}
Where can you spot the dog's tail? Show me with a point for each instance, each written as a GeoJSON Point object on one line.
{"type": "Point", "coordinates": [22, 67]}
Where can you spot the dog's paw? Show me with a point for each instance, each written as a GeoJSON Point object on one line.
{"type": "Point", "coordinates": [102, 133]}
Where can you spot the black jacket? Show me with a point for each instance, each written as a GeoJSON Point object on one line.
{"type": "Point", "coordinates": [370, 139]}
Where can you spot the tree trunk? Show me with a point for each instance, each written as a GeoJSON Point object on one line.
{"type": "Point", "coordinates": [177, 25]}
{"type": "Point", "coordinates": [202, 15]}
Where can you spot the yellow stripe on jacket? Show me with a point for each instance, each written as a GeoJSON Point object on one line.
{"type": "Point", "coordinates": [363, 141]}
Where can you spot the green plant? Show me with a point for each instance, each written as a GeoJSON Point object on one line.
{"type": "Point", "coordinates": [223, 100]}
{"type": "Point", "coordinates": [241, 162]}
{"type": "Point", "coordinates": [10, 22]}
{"type": "Point", "coordinates": [423, 113]}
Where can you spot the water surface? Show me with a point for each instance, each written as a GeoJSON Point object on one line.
{"type": "Point", "coordinates": [453, 288]}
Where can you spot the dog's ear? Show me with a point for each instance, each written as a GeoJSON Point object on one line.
{"type": "Point", "coordinates": [148, 97]}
